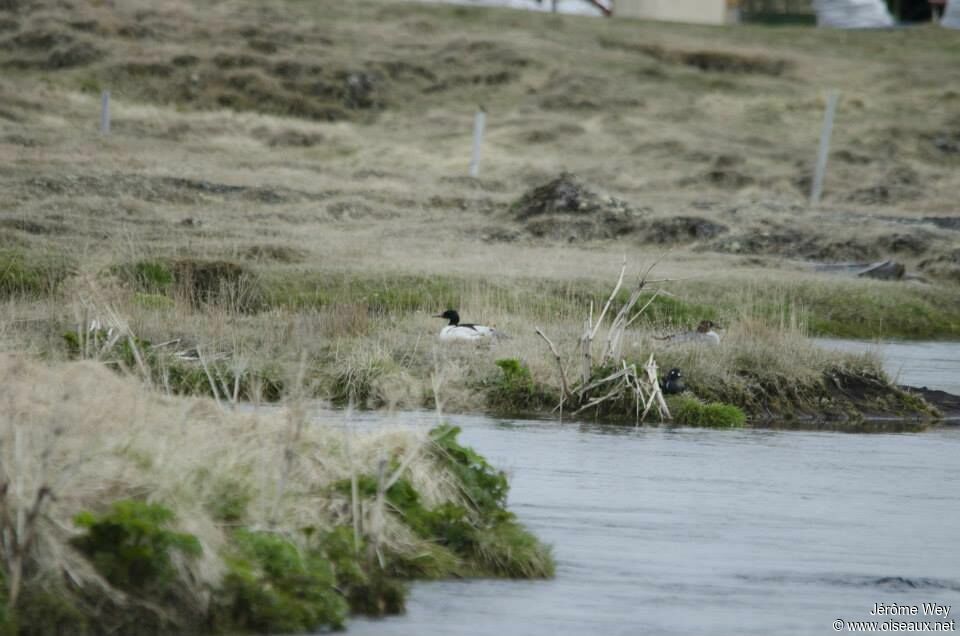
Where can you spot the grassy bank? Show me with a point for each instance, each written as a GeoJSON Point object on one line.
{"type": "Point", "coordinates": [125, 511]}
{"type": "Point", "coordinates": [230, 331]}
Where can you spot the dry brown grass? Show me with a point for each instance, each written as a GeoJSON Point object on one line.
{"type": "Point", "coordinates": [89, 437]}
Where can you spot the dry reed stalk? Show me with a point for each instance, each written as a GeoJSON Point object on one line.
{"type": "Point", "coordinates": [213, 384]}
{"type": "Point", "coordinates": [626, 380]}
{"type": "Point", "coordinates": [565, 388]}
{"type": "Point", "coordinates": [377, 515]}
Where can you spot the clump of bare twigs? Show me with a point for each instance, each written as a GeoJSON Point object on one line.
{"type": "Point", "coordinates": [608, 376]}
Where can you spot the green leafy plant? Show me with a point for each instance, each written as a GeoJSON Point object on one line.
{"type": "Point", "coordinates": [485, 486]}
{"type": "Point", "coordinates": [272, 586]}
{"type": "Point", "coordinates": [516, 390]}
{"type": "Point", "coordinates": [131, 545]}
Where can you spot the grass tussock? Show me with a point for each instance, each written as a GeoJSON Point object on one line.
{"type": "Point", "coordinates": [689, 411]}
{"type": "Point", "coordinates": [26, 274]}
{"type": "Point", "coordinates": [198, 282]}
{"type": "Point", "coordinates": [170, 514]}
{"type": "Point", "coordinates": [776, 373]}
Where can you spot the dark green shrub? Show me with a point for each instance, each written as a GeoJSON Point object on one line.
{"type": "Point", "coordinates": [131, 545]}
{"type": "Point", "coordinates": [375, 593]}
{"type": "Point", "coordinates": [47, 610]}
{"type": "Point", "coordinates": [271, 586]}
{"type": "Point", "coordinates": [515, 389]}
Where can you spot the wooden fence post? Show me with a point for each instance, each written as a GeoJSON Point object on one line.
{"type": "Point", "coordinates": [816, 189]}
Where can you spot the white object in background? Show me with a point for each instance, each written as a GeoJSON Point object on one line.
{"type": "Point", "coordinates": [853, 14]}
{"type": "Point", "coordinates": [951, 15]}
{"type": "Point", "coordinates": [824, 152]}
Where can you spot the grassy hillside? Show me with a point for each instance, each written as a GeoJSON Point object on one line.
{"type": "Point", "coordinates": [288, 179]}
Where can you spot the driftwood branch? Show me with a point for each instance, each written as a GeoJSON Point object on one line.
{"type": "Point", "coordinates": [556, 356]}
{"type": "Point", "coordinates": [627, 381]}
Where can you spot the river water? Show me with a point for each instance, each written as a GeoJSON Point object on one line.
{"type": "Point", "coordinates": [662, 530]}
{"type": "Point", "coordinates": [935, 365]}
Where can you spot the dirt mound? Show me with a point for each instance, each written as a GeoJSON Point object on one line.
{"type": "Point", "coordinates": [832, 251]}
{"type": "Point", "coordinates": [898, 185]}
{"type": "Point", "coordinates": [899, 243]}
{"type": "Point", "coordinates": [945, 266]}
{"type": "Point", "coordinates": [48, 46]}
{"type": "Point", "coordinates": [288, 137]}
{"type": "Point", "coordinates": [794, 242]}
{"type": "Point", "coordinates": [31, 227]}
{"type": "Point", "coordinates": [822, 244]}
{"type": "Point", "coordinates": [770, 238]}
{"type": "Point", "coordinates": [565, 91]}
{"type": "Point", "coordinates": [706, 60]}
{"type": "Point", "coordinates": [681, 229]}
{"type": "Point", "coordinates": [943, 222]}
{"type": "Point", "coordinates": [565, 209]}
{"type": "Point", "coordinates": [552, 134]}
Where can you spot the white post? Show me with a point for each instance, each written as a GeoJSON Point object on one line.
{"type": "Point", "coordinates": [105, 113]}
{"type": "Point", "coordinates": [478, 124]}
{"type": "Point", "coordinates": [816, 189]}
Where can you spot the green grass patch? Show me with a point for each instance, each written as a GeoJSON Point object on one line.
{"type": "Point", "coordinates": [233, 286]}
{"type": "Point", "coordinates": [689, 411]}
{"type": "Point", "coordinates": [148, 276]}
{"type": "Point", "coordinates": [23, 274]}
{"type": "Point", "coordinates": [381, 294]}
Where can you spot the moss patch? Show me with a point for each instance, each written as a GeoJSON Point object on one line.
{"type": "Point", "coordinates": [689, 411]}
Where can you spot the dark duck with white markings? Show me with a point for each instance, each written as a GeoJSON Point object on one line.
{"type": "Point", "coordinates": [456, 330]}
{"type": "Point", "coordinates": [673, 383]}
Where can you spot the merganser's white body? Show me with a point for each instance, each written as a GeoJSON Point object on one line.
{"type": "Point", "coordinates": [703, 335]}
{"type": "Point", "coordinates": [465, 332]}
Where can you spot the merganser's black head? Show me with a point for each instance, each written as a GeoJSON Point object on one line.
{"type": "Point", "coordinates": [705, 326]}
{"type": "Point", "coordinates": [450, 315]}
{"type": "Point", "coordinates": [673, 384]}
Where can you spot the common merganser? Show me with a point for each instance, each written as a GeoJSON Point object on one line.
{"type": "Point", "coordinates": [703, 334]}
{"type": "Point", "coordinates": [457, 331]}
{"type": "Point", "coordinates": [673, 383]}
